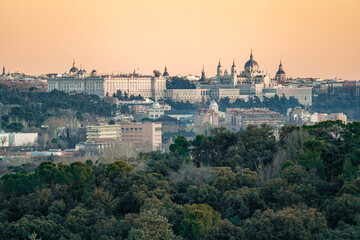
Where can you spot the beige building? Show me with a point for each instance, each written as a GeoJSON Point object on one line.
{"type": "Point", "coordinates": [18, 139]}
{"type": "Point", "coordinates": [301, 116]}
{"type": "Point", "coordinates": [239, 118]}
{"type": "Point", "coordinates": [103, 132]}
{"type": "Point", "coordinates": [157, 110]}
{"type": "Point", "coordinates": [107, 85]}
{"type": "Point", "coordinates": [208, 117]}
{"type": "Point", "coordinates": [146, 136]}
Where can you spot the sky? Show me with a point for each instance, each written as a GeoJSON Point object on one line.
{"type": "Point", "coordinates": [312, 38]}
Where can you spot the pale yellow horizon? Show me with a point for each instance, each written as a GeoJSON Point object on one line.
{"type": "Point", "coordinates": [313, 38]}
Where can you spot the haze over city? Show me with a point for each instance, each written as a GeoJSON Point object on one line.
{"type": "Point", "coordinates": [312, 38]}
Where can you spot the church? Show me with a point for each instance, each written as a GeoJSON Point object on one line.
{"type": "Point", "coordinates": [251, 75]}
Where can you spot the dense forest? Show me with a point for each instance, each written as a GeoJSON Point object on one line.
{"type": "Point", "coordinates": [305, 184]}
{"type": "Point", "coordinates": [339, 103]}
{"type": "Point", "coordinates": [36, 107]}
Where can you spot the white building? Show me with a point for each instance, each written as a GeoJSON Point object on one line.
{"type": "Point", "coordinates": [18, 139]}
{"type": "Point", "coordinates": [107, 85]}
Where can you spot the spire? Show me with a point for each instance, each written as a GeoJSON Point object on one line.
{"type": "Point", "coordinates": [251, 55]}
{"type": "Point", "coordinates": [233, 68]}
{"type": "Point", "coordinates": [3, 70]}
{"type": "Point", "coordinates": [280, 66]}
{"type": "Point", "coordinates": [165, 74]}
{"type": "Point", "coordinates": [219, 70]}
{"type": "Point", "coordinates": [74, 62]}
{"type": "Point", "coordinates": [203, 77]}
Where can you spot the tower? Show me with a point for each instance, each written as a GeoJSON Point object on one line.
{"type": "Point", "coordinates": [165, 74]}
{"type": "Point", "coordinates": [203, 77]}
{"type": "Point", "coordinates": [233, 68]}
{"type": "Point", "coordinates": [219, 69]}
{"type": "Point", "coordinates": [3, 70]}
{"type": "Point", "coordinates": [280, 74]}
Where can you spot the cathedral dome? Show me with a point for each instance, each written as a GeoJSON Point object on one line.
{"type": "Point", "coordinates": [280, 72]}
{"type": "Point", "coordinates": [251, 64]}
{"type": "Point", "coordinates": [94, 73]}
{"type": "Point", "coordinates": [74, 69]}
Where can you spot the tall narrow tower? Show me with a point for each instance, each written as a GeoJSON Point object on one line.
{"type": "Point", "coordinates": [203, 77]}
{"type": "Point", "coordinates": [165, 74]}
{"type": "Point", "coordinates": [280, 74]}
{"type": "Point", "coordinates": [233, 68]}
{"type": "Point", "coordinates": [219, 69]}
{"type": "Point", "coordinates": [3, 70]}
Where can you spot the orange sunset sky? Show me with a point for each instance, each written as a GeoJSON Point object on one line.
{"type": "Point", "coordinates": [313, 38]}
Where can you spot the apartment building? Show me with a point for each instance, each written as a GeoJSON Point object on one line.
{"type": "Point", "coordinates": [146, 136]}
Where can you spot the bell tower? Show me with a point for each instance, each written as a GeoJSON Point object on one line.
{"type": "Point", "coordinates": [219, 69]}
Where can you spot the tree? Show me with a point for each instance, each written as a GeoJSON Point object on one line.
{"type": "Point", "coordinates": [152, 226]}
{"type": "Point", "coordinates": [225, 231]}
{"type": "Point", "coordinates": [116, 168]}
{"type": "Point", "coordinates": [258, 146]}
{"type": "Point", "coordinates": [181, 146]}
{"type": "Point", "coordinates": [15, 127]}
{"type": "Point", "coordinates": [197, 218]}
{"type": "Point", "coordinates": [299, 222]}
{"type": "Point", "coordinates": [156, 73]}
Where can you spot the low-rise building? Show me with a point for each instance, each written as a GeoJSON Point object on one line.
{"type": "Point", "coordinates": [208, 117]}
{"type": "Point", "coordinates": [240, 118]}
{"type": "Point", "coordinates": [103, 132]}
{"type": "Point", "coordinates": [18, 139]}
{"type": "Point", "coordinates": [301, 116]}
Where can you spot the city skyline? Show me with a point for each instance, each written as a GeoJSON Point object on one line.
{"type": "Point", "coordinates": [312, 38]}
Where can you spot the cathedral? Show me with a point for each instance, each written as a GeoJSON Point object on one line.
{"type": "Point", "coordinates": [251, 75]}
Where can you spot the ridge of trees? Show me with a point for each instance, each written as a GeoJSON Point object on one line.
{"type": "Point", "coordinates": [36, 107]}
{"type": "Point", "coordinates": [245, 185]}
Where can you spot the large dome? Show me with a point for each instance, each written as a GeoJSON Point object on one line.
{"type": "Point", "coordinates": [74, 69]}
{"type": "Point", "coordinates": [280, 72]}
{"type": "Point", "coordinates": [251, 65]}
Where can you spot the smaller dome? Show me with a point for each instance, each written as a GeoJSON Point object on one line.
{"type": "Point", "coordinates": [81, 72]}
{"type": "Point", "coordinates": [94, 73]}
{"type": "Point", "coordinates": [214, 106]}
{"type": "Point", "coordinates": [156, 105]}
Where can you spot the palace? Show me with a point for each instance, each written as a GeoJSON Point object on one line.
{"type": "Point", "coordinates": [106, 85]}
{"type": "Point", "coordinates": [249, 82]}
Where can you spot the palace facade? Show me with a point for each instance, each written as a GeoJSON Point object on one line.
{"type": "Point", "coordinates": [106, 85]}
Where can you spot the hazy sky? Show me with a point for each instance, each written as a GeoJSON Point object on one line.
{"type": "Point", "coordinates": [319, 38]}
